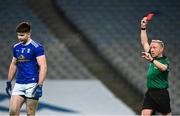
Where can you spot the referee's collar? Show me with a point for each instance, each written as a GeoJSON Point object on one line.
{"type": "Point", "coordinates": [163, 57]}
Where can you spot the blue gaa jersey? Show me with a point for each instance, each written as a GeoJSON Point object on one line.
{"type": "Point", "coordinates": [28, 68]}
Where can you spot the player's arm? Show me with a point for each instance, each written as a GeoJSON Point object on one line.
{"type": "Point", "coordinates": [144, 37]}
{"type": "Point", "coordinates": [12, 69]}
{"type": "Point", "coordinates": [43, 68]}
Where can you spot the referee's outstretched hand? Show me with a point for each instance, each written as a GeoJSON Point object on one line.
{"type": "Point", "coordinates": [8, 88]}
{"type": "Point", "coordinates": [37, 91]}
{"type": "Point", "coordinates": [147, 56]}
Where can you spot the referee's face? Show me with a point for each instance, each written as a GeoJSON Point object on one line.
{"type": "Point", "coordinates": [156, 49]}
{"type": "Point", "coordinates": [23, 37]}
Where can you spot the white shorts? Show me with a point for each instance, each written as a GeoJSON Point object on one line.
{"type": "Point", "coordinates": [24, 89]}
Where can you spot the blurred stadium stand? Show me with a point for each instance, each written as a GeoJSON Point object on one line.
{"type": "Point", "coordinates": [79, 46]}
{"type": "Point", "coordinates": [113, 28]}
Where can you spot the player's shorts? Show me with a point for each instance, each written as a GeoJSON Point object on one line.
{"type": "Point", "coordinates": [25, 90]}
{"type": "Point", "coordinates": [157, 100]}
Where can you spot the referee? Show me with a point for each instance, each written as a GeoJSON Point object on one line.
{"type": "Point", "coordinates": [157, 96]}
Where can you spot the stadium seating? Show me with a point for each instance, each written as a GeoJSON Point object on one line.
{"type": "Point", "coordinates": [113, 27]}
{"type": "Point", "coordinates": [61, 63]}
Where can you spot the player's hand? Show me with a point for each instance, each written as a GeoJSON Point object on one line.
{"type": "Point", "coordinates": [37, 92]}
{"type": "Point", "coordinates": [147, 56]}
{"type": "Point", "coordinates": [144, 22]}
{"type": "Point", "coordinates": [8, 88]}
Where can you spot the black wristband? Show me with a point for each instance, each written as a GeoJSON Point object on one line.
{"type": "Point", "coordinates": [143, 28]}
{"type": "Point", "coordinates": [152, 60]}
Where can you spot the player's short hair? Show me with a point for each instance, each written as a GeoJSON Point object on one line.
{"type": "Point", "coordinates": [23, 27]}
{"type": "Point", "coordinates": [158, 41]}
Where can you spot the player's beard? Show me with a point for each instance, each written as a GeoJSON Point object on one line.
{"type": "Point", "coordinates": [23, 41]}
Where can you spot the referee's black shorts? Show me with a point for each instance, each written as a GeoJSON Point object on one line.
{"type": "Point", "coordinates": [157, 100]}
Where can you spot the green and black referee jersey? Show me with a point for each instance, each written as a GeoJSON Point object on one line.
{"type": "Point", "coordinates": [157, 96]}
{"type": "Point", "coordinates": [157, 78]}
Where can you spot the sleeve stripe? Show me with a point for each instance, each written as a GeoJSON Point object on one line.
{"type": "Point", "coordinates": [35, 44]}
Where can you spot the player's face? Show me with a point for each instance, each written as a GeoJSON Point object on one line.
{"type": "Point", "coordinates": [23, 37]}
{"type": "Point", "coordinates": [156, 49]}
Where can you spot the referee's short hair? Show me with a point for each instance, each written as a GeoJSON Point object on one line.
{"type": "Point", "coordinates": [158, 41]}
{"type": "Point", "coordinates": [23, 27]}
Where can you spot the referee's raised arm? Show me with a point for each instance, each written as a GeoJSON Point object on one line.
{"type": "Point", "coordinates": [144, 37]}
